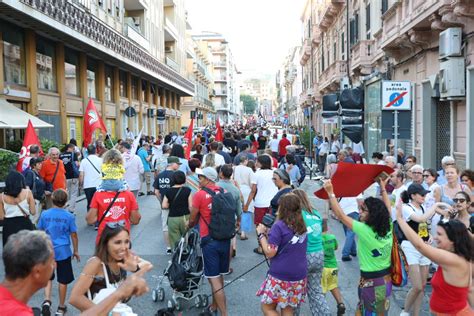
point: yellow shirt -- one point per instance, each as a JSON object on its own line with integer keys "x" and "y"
{"x": 112, "y": 171}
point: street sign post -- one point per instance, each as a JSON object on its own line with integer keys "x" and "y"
{"x": 396, "y": 96}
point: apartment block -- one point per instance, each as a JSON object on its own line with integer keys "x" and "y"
{"x": 127, "y": 55}
{"x": 200, "y": 71}
{"x": 361, "y": 43}
{"x": 226, "y": 88}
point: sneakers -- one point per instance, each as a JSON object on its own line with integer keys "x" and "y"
{"x": 46, "y": 308}
{"x": 168, "y": 251}
{"x": 346, "y": 258}
{"x": 403, "y": 313}
{"x": 141, "y": 194}
{"x": 341, "y": 309}
{"x": 62, "y": 310}
{"x": 150, "y": 193}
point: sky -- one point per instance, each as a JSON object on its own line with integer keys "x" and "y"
{"x": 260, "y": 32}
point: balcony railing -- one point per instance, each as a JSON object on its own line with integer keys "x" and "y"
{"x": 174, "y": 65}
{"x": 331, "y": 77}
{"x": 329, "y": 10}
{"x": 134, "y": 33}
{"x": 220, "y": 64}
{"x": 362, "y": 54}
{"x": 221, "y": 92}
{"x": 171, "y": 29}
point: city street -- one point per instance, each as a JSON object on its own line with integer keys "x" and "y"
{"x": 148, "y": 243}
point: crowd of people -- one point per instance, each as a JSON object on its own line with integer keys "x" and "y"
{"x": 227, "y": 189}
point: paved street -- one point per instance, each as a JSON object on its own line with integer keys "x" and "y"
{"x": 147, "y": 242}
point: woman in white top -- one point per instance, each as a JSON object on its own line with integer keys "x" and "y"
{"x": 16, "y": 206}
{"x": 323, "y": 154}
{"x": 243, "y": 176}
{"x": 263, "y": 190}
{"x": 418, "y": 264}
{"x": 429, "y": 181}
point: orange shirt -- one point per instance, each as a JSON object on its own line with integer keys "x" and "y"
{"x": 47, "y": 173}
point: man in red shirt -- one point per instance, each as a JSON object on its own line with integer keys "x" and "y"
{"x": 124, "y": 208}
{"x": 215, "y": 252}
{"x": 49, "y": 174}
{"x": 282, "y": 146}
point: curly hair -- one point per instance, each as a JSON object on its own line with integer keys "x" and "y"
{"x": 289, "y": 211}
{"x": 113, "y": 156}
{"x": 379, "y": 217}
{"x": 460, "y": 237}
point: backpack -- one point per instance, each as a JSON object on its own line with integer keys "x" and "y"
{"x": 223, "y": 213}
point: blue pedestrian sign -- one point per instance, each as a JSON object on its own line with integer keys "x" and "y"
{"x": 396, "y": 95}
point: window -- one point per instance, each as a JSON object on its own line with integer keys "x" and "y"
{"x": 384, "y": 6}
{"x": 91, "y": 78}
{"x": 334, "y": 50}
{"x": 134, "y": 88}
{"x": 367, "y": 20}
{"x": 13, "y": 54}
{"x": 45, "y": 64}
{"x": 343, "y": 46}
{"x": 354, "y": 29}
{"x": 154, "y": 93}
{"x": 123, "y": 81}
{"x": 71, "y": 71}
{"x": 144, "y": 95}
{"x": 109, "y": 83}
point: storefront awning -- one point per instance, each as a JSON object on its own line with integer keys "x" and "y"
{"x": 14, "y": 118}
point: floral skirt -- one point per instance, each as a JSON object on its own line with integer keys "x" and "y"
{"x": 282, "y": 293}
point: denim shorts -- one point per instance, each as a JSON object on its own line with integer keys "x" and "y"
{"x": 216, "y": 255}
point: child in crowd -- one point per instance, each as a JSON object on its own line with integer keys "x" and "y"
{"x": 329, "y": 281}
{"x": 60, "y": 226}
{"x": 112, "y": 172}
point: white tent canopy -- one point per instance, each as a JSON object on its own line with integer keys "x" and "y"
{"x": 14, "y": 118}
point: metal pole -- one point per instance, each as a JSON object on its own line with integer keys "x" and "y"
{"x": 395, "y": 129}
{"x": 310, "y": 139}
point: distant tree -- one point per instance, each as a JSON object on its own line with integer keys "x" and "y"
{"x": 250, "y": 104}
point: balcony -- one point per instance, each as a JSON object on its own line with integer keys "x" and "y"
{"x": 328, "y": 13}
{"x": 133, "y": 32}
{"x": 362, "y": 57}
{"x": 221, "y": 49}
{"x": 171, "y": 33}
{"x": 330, "y": 78}
{"x": 315, "y": 36}
{"x": 172, "y": 64}
{"x": 402, "y": 22}
{"x": 134, "y": 5}
{"x": 220, "y": 79}
{"x": 221, "y": 93}
{"x": 220, "y": 64}
{"x": 306, "y": 52}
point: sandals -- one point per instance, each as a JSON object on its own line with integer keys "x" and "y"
{"x": 62, "y": 310}
{"x": 243, "y": 238}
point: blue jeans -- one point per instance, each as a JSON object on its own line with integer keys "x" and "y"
{"x": 350, "y": 243}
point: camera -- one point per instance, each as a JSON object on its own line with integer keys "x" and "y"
{"x": 268, "y": 220}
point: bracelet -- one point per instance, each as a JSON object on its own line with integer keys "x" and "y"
{"x": 332, "y": 195}
{"x": 261, "y": 235}
{"x": 138, "y": 269}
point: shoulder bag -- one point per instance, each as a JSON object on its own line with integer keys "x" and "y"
{"x": 108, "y": 208}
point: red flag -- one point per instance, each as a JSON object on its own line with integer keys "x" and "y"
{"x": 92, "y": 121}
{"x": 30, "y": 139}
{"x": 188, "y": 137}
{"x": 219, "y": 135}
{"x": 352, "y": 179}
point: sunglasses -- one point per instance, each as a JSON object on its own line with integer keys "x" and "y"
{"x": 459, "y": 200}
{"x": 426, "y": 175}
{"x": 114, "y": 225}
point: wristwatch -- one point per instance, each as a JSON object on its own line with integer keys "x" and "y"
{"x": 138, "y": 268}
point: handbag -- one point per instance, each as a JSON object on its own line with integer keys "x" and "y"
{"x": 120, "y": 308}
{"x": 399, "y": 266}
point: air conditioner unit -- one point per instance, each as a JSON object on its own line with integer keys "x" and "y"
{"x": 452, "y": 82}
{"x": 168, "y": 49}
{"x": 450, "y": 42}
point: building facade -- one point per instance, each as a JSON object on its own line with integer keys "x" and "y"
{"x": 368, "y": 42}
{"x": 226, "y": 88}
{"x": 127, "y": 55}
{"x": 199, "y": 68}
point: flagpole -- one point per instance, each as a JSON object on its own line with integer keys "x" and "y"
{"x": 110, "y": 139}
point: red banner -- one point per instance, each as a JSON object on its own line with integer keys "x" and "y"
{"x": 30, "y": 139}
{"x": 351, "y": 179}
{"x": 219, "y": 134}
{"x": 188, "y": 137}
{"x": 92, "y": 121}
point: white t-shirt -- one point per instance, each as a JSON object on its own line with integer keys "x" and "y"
{"x": 243, "y": 175}
{"x": 218, "y": 158}
{"x": 394, "y": 197}
{"x": 273, "y": 144}
{"x": 349, "y": 204}
{"x": 266, "y": 189}
{"x": 92, "y": 178}
{"x": 335, "y": 146}
{"x": 408, "y": 211}
{"x": 323, "y": 148}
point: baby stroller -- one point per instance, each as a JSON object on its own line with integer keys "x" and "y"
{"x": 185, "y": 273}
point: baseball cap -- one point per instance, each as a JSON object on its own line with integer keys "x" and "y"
{"x": 417, "y": 189}
{"x": 207, "y": 172}
{"x": 173, "y": 159}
